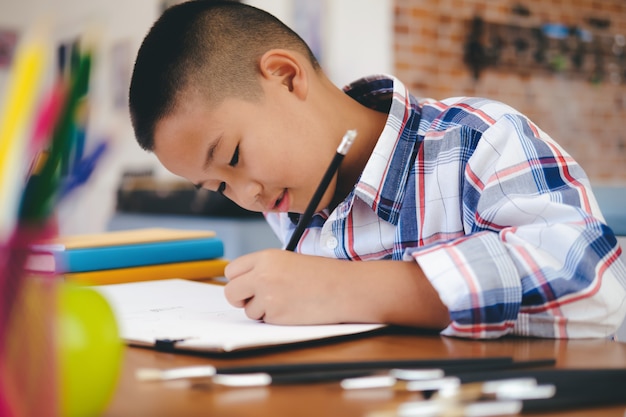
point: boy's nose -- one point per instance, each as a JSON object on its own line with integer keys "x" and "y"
{"x": 248, "y": 192}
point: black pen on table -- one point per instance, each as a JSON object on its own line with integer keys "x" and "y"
{"x": 305, "y": 218}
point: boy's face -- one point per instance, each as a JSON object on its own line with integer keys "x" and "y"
{"x": 266, "y": 156}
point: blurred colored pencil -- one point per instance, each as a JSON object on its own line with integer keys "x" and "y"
{"x": 17, "y": 113}
{"x": 42, "y": 188}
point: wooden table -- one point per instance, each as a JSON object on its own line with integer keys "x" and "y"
{"x": 154, "y": 399}
{"x": 135, "y": 398}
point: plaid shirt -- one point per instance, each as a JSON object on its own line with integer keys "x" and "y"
{"x": 501, "y": 220}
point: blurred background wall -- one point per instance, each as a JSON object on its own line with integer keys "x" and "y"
{"x": 561, "y": 62}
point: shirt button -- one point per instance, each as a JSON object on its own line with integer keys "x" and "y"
{"x": 332, "y": 242}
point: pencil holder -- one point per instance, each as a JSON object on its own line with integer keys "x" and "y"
{"x": 29, "y": 355}
{"x": 61, "y": 351}
{"x": 27, "y": 349}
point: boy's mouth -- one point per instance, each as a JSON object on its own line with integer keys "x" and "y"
{"x": 282, "y": 202}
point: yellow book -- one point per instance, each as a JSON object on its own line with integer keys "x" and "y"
{"x": 195, "y": 270}
{"x": 121, "y": 238}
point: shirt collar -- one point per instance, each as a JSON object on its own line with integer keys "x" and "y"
{"x": 382, "y": 183}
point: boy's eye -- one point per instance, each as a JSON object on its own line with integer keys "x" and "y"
{"x": 233, "y": 162}
{"x": 235, "y": 159}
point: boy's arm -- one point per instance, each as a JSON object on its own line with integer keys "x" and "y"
{"x": 283, "y": 287}
{"x": 536, "y": 258}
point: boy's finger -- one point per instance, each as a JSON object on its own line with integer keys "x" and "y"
{"x": 254, "y": 309}
{"x": 238, "y": 292}
{"x": 238, "y": 267}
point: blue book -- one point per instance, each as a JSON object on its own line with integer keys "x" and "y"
{"x": 123, "y": 249}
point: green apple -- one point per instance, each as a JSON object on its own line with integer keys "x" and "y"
{"x": 89, "y": 351}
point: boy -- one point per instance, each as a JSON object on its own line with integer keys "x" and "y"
{"x": 471, "y": 220}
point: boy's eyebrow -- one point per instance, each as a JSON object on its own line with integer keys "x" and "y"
{"x": 210, "y": 155}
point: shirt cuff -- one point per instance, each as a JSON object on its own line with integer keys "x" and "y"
{"x": 477, "y": 280}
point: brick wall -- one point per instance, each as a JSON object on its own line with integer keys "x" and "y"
{"x": 587, "y": 118}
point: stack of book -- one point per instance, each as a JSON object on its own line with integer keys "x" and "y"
{"x": 130, "y": 255}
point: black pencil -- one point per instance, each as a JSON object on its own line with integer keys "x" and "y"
{"x": 284, "y": 374}
{"x": 300, "y": 367}
{"x": 305, "y": 218}
{"x": 312, "y": 372}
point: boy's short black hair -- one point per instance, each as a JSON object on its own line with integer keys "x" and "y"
{"x": 206, "y": 47}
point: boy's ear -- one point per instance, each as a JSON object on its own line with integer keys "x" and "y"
{"x": 285, "y": 69}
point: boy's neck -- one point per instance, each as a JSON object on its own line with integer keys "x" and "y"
{"x": 369, "y": 124}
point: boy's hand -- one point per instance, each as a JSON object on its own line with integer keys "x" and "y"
{"x": 283, "y": 287}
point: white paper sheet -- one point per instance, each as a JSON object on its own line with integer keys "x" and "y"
{"x": 199, "y": 313}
